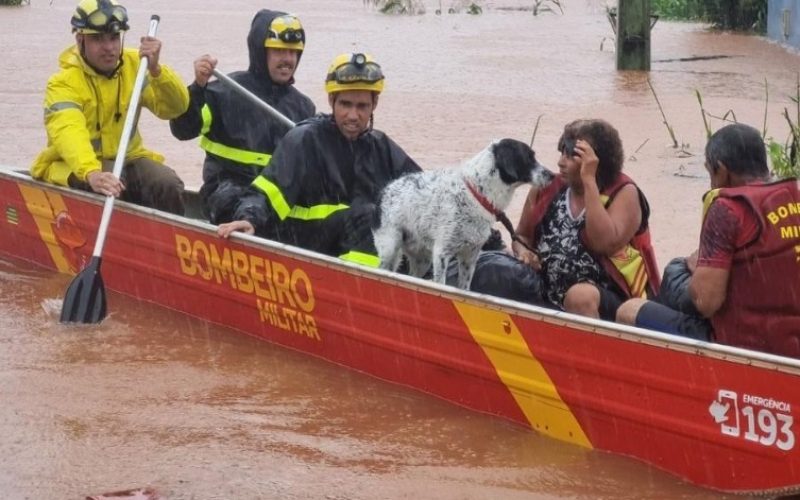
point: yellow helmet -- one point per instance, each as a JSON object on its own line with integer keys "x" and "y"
{"x": 99, "y": 16}
{"x": 285, "y": 32}
{"x": 354, "y": 72}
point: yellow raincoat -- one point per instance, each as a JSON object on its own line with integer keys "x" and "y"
{"x": 84, "y": 114}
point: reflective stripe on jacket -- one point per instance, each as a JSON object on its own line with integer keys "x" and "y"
{"x": 316, "y": 183}
{"x": 284, "y": 210}
{"x": 238, "y": 136}
{"x": 85, "y": 114}
{"x": 229, "y": 153}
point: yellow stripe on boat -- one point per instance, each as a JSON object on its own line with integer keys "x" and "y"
{"x": 44, "y": 207}
{"x": 522, "y": 373}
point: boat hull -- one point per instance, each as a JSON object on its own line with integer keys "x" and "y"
{"x": 718, "y": 417}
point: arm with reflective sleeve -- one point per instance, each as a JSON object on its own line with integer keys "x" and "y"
{"x": 298, "y": 184}
{"x": 68, "y": 129}
{"x": 190, "y": 124}
{"x": 266, "y": 203}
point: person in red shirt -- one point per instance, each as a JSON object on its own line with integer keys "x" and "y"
{"x": 740, "y": 288}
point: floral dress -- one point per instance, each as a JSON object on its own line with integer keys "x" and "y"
{"x": 564, "y": 258}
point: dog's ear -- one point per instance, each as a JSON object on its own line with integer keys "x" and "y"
{"x": 514, "y": 160}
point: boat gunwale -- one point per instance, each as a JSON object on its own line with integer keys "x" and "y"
{"x": 527, "y": 311}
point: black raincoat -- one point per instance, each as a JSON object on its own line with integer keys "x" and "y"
{"x": 321, "y": 189}
{"x": 242, "y": 136}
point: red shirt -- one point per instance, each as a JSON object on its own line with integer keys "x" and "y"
{"x": 728, "y": 226}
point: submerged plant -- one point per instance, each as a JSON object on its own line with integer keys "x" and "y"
{"x": 664, "y": 116}
{"x": 474, "y": 9}
{"x": 704, "y": 114}
{"x": 467, "y": 6}
{"x": 411, "y": 7}
{"x": 546, "y": 6}
{"x": 783, "y": 156}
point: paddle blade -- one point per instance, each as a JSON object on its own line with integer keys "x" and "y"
{"x": 85, "y": 301}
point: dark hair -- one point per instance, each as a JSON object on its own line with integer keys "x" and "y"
{"x": 740, "y": 148}
{"x": 606, "y": 143}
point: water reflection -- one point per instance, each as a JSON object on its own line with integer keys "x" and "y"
{"x": 151, "y": 397}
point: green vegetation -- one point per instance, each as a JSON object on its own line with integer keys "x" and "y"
{"x": 457, "y": 6}
{"x": 10, "y": 2}
{"x": 411, "y": 7}
{"x": 415, "y": 7}
{"x": 742, "y": 15}
{"x": 474, "y": 9}
{"x": 784, "y": 156}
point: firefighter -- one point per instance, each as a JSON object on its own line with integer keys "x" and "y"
{"x": 85, "y": 107}
{"x": 239, "y": 138}
{"x": 324, "y": 180}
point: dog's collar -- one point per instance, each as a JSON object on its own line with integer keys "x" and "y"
{"x": 498, "y": 214}
{"x": 484, "y": 201}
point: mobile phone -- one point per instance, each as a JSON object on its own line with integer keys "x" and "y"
{"x": 731, "y": 425}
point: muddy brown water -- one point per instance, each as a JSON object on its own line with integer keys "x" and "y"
{"x": 152, "y": 397}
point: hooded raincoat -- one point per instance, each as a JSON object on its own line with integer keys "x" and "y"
{"x": 321, "y": 189}
{"x": 84, "y": 114}
{"x": 239, "y": 138}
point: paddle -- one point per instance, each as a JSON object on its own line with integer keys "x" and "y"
{"x": 85, "y": 300}
{"x": 254, "y": 98}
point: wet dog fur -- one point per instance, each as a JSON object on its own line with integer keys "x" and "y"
{"x": 432, "y": 217}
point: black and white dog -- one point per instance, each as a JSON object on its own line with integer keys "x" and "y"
{"x": 437, "y": 215}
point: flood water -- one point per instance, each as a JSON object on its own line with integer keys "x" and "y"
{"x": 152, "y": 397}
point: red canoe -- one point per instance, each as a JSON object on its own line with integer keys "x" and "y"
{"x": 717, "y": 416}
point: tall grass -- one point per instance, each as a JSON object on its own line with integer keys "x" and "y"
{"x": 784, "y": 156}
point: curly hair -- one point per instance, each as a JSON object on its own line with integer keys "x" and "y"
{"x": 606, "y": 143}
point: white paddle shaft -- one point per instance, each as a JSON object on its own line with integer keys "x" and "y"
{"x": 130, "y": 122}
